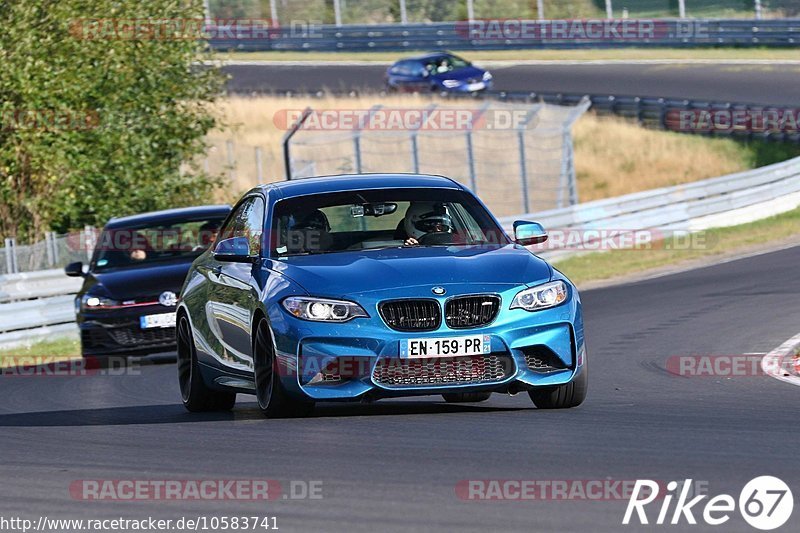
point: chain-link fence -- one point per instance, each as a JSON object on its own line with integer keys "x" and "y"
{"x": 55, "y": 251}
{"x": 517, "y": 157}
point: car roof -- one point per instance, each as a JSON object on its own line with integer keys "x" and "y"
{"x": 155, "y": 217}
{"x": 356, "y": 182}
{"x": 429, "y": 55}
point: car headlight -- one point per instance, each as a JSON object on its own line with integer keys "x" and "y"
{"x": 323, "y": 310}
{"x": 541, "y": 297}
{"x": 89, "y": 302}
{"x": 451, "y": 84}
{"x": 487, "y": 76}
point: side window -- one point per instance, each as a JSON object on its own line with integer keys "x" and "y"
{"x": 254, "y": 224}
{"x": 247, "y": 221}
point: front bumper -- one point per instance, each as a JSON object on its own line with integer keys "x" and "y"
{"x": 118, "y": 332}
{"x": 361, "y": 359}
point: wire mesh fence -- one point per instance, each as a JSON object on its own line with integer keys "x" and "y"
{"x": 517, "y": 157}
{"x": 54, "y": 251}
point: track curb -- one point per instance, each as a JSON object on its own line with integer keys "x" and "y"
{"x": 774, "y": 364}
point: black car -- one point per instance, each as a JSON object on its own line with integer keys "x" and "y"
{"x": 127, "y": 303}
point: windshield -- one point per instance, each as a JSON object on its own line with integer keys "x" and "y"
{"x": 374, "y": 219}
{"x": 445, "y": 64}
{"x": 129, "y": 247}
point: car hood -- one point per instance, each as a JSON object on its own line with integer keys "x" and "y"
{"x": 133, "y": 283}
{"x": 349, "y": 273}
{"x": 462, "y": 74}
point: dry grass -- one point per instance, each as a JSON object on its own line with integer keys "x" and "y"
{"x": 613, "y": 156}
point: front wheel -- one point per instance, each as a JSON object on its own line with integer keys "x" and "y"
{"x": 273, "y": 401}
{"x": 564, "y": 396}
{"x": 196, "y": 395}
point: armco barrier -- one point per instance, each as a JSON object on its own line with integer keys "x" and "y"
{"x": 40, "y": 304}
{"x": 36, "y": 305}
{"x": 717, "y": 202}
{"x": 462, "y": 36}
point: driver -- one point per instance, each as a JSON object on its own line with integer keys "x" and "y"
{"x": 424, "y": 218}
{"x": 309, "y": 232}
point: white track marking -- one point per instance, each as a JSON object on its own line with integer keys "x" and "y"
{"x": 773, "y": 364}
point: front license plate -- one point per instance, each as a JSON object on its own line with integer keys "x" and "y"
{"x": 476, "y": 86}
{"x": 161, "y": 320}
{"x": 445, "y": 347}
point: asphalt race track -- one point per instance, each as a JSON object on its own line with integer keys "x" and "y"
{"x": 394, "y": 465}
{"x": 761, "y": 84}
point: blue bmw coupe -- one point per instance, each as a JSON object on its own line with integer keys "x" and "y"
{"x": 439, "y": 71}
{"x": 357, "y": 288}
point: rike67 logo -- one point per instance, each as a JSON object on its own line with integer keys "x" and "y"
{"x": 765, "y": 503}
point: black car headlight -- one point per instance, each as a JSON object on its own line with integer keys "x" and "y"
{"x": 541, "y": 297}
{"x": 89, "y": 302}
{"x": 323, "y": 309}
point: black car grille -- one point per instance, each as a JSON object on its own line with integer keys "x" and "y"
{"x": 133, "y": 336}
{"x": 411, "y": 315}
{"x": 442, "y": 371}
{"x": 540, "y": 359}
{"x": 471, "y": 311}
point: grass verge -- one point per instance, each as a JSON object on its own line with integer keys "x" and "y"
{"x": 620, "y": 54}
{"x": 49, "y": 351}
{"x": 708, "y": 244}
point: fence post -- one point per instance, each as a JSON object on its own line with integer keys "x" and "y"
{"x": 287, "y": 139}
{"x": 523, "y": 166}
{"x": 231, "y": 160}
{"x": 357, "y": 137}
{"x": 48, "y": 248}
{"x": 88, "y": 239}
{"x": 413, "y": 137}
{"x": 259, "y": 167}
{"x": 473, "y": 177}
{"x": 11, "y": 255}
{"x": 54, "y": 240}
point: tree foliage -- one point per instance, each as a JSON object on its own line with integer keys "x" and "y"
{"x": 98, "y": 122}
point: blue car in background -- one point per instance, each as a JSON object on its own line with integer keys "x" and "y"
{"x": 362, "y": 287}
{"x": 439, "y": 72}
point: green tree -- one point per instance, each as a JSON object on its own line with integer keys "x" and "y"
{"x": 97, "y": 120}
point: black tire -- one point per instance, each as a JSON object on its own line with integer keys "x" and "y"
{"x": 564, "y": 396}
{"x": 466, "y": 397}
{"x": 273, "y": 401}
{"x": 196, "y": 395}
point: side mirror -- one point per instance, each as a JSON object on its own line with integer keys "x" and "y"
{"x": 527, "y": 233}
{"x": 74, "y": 270}
{"x": 234, "y": 250}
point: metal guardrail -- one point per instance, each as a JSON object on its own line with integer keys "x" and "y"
{"x": 36, "y": 305}
{"x": 717, "y": 202}
{"x": 39, "y": 304}
{"x": 462, "y": 36}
